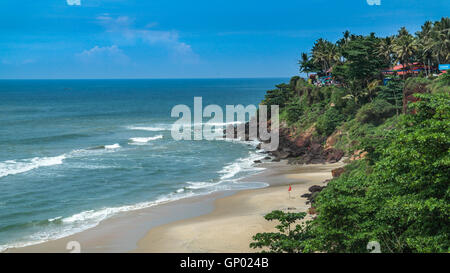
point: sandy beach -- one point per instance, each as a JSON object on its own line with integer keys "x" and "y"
{"x": 236, "y": 218}
{"x": 218, "y": 222}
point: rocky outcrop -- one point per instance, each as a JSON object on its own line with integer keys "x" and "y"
{"x": 337, "y": 172}
{"x": 299, "y": 148}
{"x": 316, "y": 188}
{"x": 333, "y": 139}
{"x": 305, "y": 148}
{"x": 333, "y": 155}
{"x": 314, "y": 192}
{"x": 358, "y": 154}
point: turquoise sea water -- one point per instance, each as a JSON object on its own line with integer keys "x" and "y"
{"x": 75, "y": 152}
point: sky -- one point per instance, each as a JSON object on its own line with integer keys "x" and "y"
{"x": 99, "y": 39}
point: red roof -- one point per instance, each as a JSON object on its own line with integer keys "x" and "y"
{"x": 400, "y": 66}
{"x": 411, "y": 68}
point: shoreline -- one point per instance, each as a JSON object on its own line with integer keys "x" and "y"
{"x": 238, "y": 217}
{"x": 189, "y": 224}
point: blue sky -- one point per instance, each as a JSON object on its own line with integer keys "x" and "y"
{"x": 185, "y": 39}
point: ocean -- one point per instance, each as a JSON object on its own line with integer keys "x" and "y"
{"x": 76, "y": 152}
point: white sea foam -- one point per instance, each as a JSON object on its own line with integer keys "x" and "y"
{"x": 65, "y": 226}
{"x": 201, "y": 185}
{"x": 144, "y": 139}
{"x": 151, "y": 129}
{"x": 219, "y": 126}
{"x": 90, "y": 218}
{"x": 55, "y": 219}
{"x": 113, "y": 146}
{"x": 209, "y": 187}
{"x": 11, "y": 167}
{"x": 240, "y": 165}
{"x": 87, "y": 219}
{"x": 229, "y": 172}
{"x": 220, "y": 123}
{"x": 253, "y": 143}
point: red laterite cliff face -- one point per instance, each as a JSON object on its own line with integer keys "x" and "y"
{"x": 305, "y": 147}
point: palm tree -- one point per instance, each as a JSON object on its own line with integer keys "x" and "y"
{"x": 342, "y": 43}
{"x": 385, "y": 50}
{"x": 403, "y": 32}
{"x": 333, "y": 55}
{"x": 325, "y": 54}
{"x": 305, "y": 65}
{"x": 346, "y": 36}
{"x": 440, "y": 41}
{"x": 372, "y": 89}
{"x": 319, "y": 53}
{"x": 405, "y": 47}
{"x": 424, "y": 37}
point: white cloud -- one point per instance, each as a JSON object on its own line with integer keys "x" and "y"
{"x": 108, "y": 53}
{"x": 122, "y": 27}
{"x": 74, "y": 2}
{"x": 101, "y": 50}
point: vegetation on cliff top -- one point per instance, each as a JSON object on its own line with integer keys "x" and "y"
{"x": 399, "y": 194}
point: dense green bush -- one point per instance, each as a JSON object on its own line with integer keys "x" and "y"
{"x": 290, "y": 237}
{"x": 327, "y": 123}
{"x": 392, "y": 92}
{"x": 337, "y": 97}
{"x": 441, "y": 84}
{"x": 375, "y": 112}
{"x": 403, "y": 200}
{"x": 400, "y": 198}
{"x": 293, "y": 111}
{"x": 279, "y": 96}
{"x": 413, "y": 82}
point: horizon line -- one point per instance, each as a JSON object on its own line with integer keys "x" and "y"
{"x": 194, "y": 78}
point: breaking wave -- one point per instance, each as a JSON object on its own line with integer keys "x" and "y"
{"x": 11, "y": 167}
{"x": 137, "y": 140}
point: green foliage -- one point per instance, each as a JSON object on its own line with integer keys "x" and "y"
{"x": 279, "y": 96}
{"x": 374, "y": 140}
{"x": 363, "y": 63}
{"x": 293, "y": 111}
{"x": 293, "y": 82}
{"x": 324, "y": 54}
{"x": 405, "y": 47}
{"x": 417, "y": 82}
{"x": 337, "y": 96}
{"x": 392, "y": 92}
{"x": 375, "y": 112}
{"x": 327, "y": 123}
{"x": 399, "y": 194}
{"x": 341, "y": 225}
{"x": 290, "y": 236}
{"x": 306, "y": 64}
{"x": 403, "y": 200}
{"x": 441, "y": 84}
